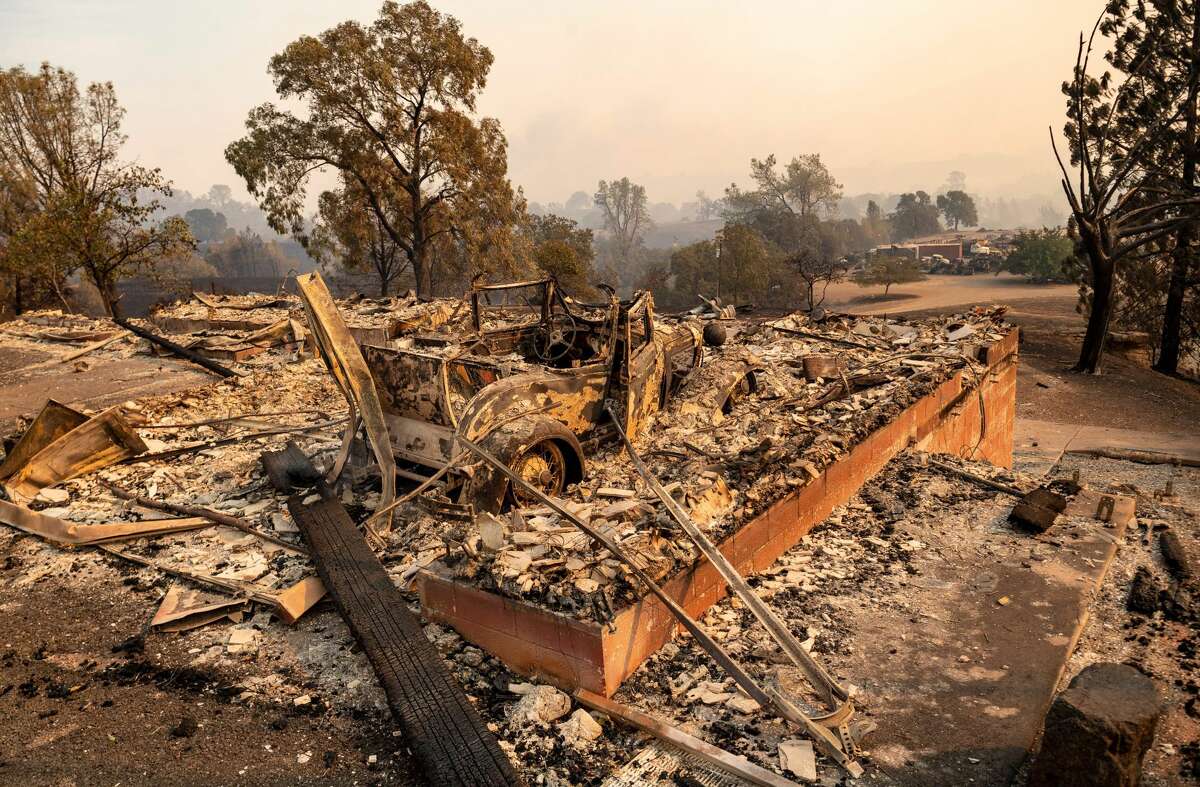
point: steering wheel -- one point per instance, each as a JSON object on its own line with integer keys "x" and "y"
{"x": 558, "y": 331}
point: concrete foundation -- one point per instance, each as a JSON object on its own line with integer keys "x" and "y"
{"x": 571, "y": 653}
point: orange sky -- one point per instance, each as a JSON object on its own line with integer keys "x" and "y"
{"x": 676, "y": 95}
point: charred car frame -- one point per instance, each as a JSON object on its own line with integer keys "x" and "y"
{"x": 529, "y": 380}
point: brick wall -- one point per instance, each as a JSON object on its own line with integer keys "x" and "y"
{"x": 571, "y": 653}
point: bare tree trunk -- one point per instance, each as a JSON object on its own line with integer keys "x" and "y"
{"x": 1090, "y": 353}
{"x": 385, "y": 280}
{"x": 107, "y": 287}
{"x": 1168, "y": 356}
{"x": 422, "y": 273}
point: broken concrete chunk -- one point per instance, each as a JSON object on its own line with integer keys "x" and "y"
{"x": 52, "y": 495}
{"x": 517, "y": 562}
{"x": 1038, "y": 510}
{"x": 540, "y": 705}
{"x": 1098, "y": 731}
{"x": 958, "y": 332}
{"x": 580, "y": 728}
{"x": 491, "y": 532}
{"x": 242, "y": 640}
{"x": 606, "y": 491}
{"x": 797, "y": 757}
{"x": 742, "y": 704}
{"x": 283, "y": 525}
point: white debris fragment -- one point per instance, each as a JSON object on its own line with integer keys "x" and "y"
{"x": 542, "y": 704}
{"x": 580, "y": 728}
{"x": 52, "y": 494}
{"x": 797, "y": 756}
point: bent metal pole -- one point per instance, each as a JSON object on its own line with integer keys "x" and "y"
{"x": 826, "y": 741}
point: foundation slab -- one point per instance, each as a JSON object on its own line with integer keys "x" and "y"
{"x": 958, "y": 681}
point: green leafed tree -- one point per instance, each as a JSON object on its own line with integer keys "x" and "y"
{"x": 246, "y": 254}
{"x": 744, "y": 264}
{"x": 915, "y": 215}
{"x": 958, "y": 208}
{"x": 1042, "y": 255}
{"x": 390, "y": 106}
{"x": 885, "y": 270}
{"x": 694, "y": 269}
{"x": 90, "y": 212}
{"x": 875, "y": 226}
{"x": 804, "y": 187}
{"x": 206, "y": 224}
{"x": 562, "y": 249}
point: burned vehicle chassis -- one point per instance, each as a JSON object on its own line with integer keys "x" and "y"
{"x": 533, "y": 389}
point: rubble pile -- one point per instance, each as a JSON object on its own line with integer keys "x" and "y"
{"x": 390, "y": 315}
{"x": 726, "y": 468}
{"x": 818, "y": 388}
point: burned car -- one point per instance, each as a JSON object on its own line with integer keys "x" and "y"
{"x": 529, "y": 379}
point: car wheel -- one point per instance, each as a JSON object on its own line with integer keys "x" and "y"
{"x": 543, "y": 467}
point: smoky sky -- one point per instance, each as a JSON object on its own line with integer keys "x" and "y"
{"x": 676, "y": 95}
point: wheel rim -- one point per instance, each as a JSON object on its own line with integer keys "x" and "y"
{"x": 543, "y": 467}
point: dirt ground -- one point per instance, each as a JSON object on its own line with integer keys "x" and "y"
{"x": 89, "y": 697}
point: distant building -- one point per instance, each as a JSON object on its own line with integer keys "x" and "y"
{"x": 896, "y": 251}
{"x": 951, "y": 250}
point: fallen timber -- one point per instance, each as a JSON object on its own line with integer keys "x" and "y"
{"x": 176, "y": 349}
{"x": 443, "y": 729}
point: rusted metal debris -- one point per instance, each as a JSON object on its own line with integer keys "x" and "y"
{"x": 736, "y": 765}
{"x": 830, "y": 745}
{"x": 62, "y": 447}
{"x": 345, "y": 362}
{"x": 836, "y": 697}
{"x": 205, "y": 513}
{"x": 72, "y": 534}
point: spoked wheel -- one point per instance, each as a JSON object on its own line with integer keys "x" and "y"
{"x": 543, "y": 467}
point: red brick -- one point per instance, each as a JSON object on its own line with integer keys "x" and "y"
{"x": 544, "y": 628}
{"x": 487, "y": 609}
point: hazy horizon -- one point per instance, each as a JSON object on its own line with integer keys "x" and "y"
{"x": 677, "y": 96}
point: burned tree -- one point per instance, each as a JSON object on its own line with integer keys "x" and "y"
{"x": 1124, "y": 200}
